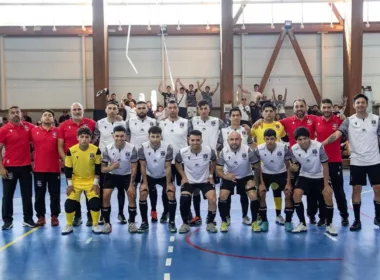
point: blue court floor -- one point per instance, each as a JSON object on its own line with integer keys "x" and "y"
{"x": 42, "y": 253}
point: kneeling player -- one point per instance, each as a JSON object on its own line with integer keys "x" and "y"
{"x": 275, "y": 161}
{"x": 199, "y": 167}
{"x": 155, "y": 164}
{"x": 314, "y": 176}
{"x": 120, "y": 164}
{"x": 82, "y": 169}
{"x": 238, "y": 160}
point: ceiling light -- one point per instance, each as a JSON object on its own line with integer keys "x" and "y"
{"x": 54, "y": 28}
{"x": 243, "y": 27}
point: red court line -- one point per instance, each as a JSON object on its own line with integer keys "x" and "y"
{"x": 188, "y": 241}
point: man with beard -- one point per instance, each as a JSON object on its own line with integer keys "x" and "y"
{"x": 16, "y": 166}
{"x": 326, "y": 125}
{"x": 67, "y": 137}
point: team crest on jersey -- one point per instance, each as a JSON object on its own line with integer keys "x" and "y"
{"x": 244, "y": 132}
{"x": 54, "y": 134}
{"x": 335, "y": 126}
{"x": 196, "y": 165}
{"x": 373, "y": 122}
{"x": 182, "y": 124}
{"x": 244, "y": 155}
{"x": 188, "y": 157}
{"x": 271, "y": 161}
{"x": 155, "y": 161}
{"x": 315, "y": 152}
{"x": 277, "y": 126}
{"x": 172, "y": 130}
{"x": 84, "y": 125}
{"x": 279, "y": 154}
{"x": 162, "y": 153}
{"x": 205, "y": 156}
{"x": 309, "y": 121}
{"x": 92, "y": 156}
{"x": 203, "y": 128}
{"x": 151, "y": 124}
{"x": 213, "y": 123}
{"x": 128, "y": 154}
{"x": 26, "y": 127}
{"x": 141, "y": 130}
{"x": 149, "y": 153}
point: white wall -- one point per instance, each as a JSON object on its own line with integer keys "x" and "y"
{"x": 48, "y": 72}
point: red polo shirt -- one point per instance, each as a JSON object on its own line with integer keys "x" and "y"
{"x": 68, "y": 131}
{"x": 324, "y": 129}
{"x": 46, "y": 156}
{"x": 292, "y": 123}
{"x": 16, "y": 139}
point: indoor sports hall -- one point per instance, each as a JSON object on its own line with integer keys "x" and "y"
{"x": 311, "y": 58}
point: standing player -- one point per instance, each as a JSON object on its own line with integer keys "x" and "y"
{"x": 326, "y": 125}
{"x": 155, "y": 163}
{"x": 103, "y": 132}
{"x": 313, "y": 176}
{"x": 174, "y": 132}
{"x": 47, "y": 170}
{"x": 363, "y": 131}
{"x": 82, "y": 169}
{"x": 197, "y": 173}
{"x": 16, "y": 166}
{"x": 234, "y": 166}
{"x": 120, "y": 163}
{"x": 67, "y": 137}
{"x": 210, "y": 128}
{"x": 274, "y": 171}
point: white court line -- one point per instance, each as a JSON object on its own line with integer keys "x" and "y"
{"x": 88, "y": 240}
{"x": 168, "y": 262}
{"x": 172, "y": 238}
{"x": 170, "y": 249}
{"x": 329, "y": 236}
{"x": 166, "y": 276}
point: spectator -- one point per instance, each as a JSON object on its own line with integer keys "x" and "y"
{"x": 65, "y": 116}
{"x": 26, "y": 118}
{"x": 279, "y": 102}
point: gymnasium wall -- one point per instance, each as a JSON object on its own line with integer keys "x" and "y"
{"x": 53, "y": 72}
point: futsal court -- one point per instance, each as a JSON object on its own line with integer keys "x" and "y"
{"x": 43, "y": 253}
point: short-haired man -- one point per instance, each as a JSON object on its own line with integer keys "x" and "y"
{"x": 191, "y": 99}
{"x": 207, "y": 94}
{"x": 168, "y": 95}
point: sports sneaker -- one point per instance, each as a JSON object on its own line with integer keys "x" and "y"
{"x": 312, "y": 220}
{"x": 132, "y": 228}
{"x": 196, "y": 221}
{"x": 300, "y": 228}
{"x": 154, "y": 216}
{"x": 214, "y": 222}
{"x": 107, "y": 229}
{"x": 356, "y": 226}
{"x": 96, "y": 229}
{"x": 41, "y": 221}
{"x": 246, "y": 221}
{"x": 224, "y": 227}
{"x": 54, "y": 221}
{"x": 321, "y": 223}
{"x": 264, "y": 226}
{"x": 256, "y": 227}
{"x": 280, "y": 220}
{"x": 259, "y": 220}
{"x": 184, "y": 228}
{"x": 376, "y": 222}
{"x": 29, "y": 223}
{"x": 7, "y": 225}
{"x": 330, "y": 229}
{"x": 101, "y": 220}
{"x": 77, "y": 221}
{"x": 172, "y": 227}
{"x": 122, "y": 218}
{"x": 164, "y": 218}
{"x": 89, "y": 221}
{"x": 288, "y": 226}
{"x": 67, "y": 230}
{"x": 345, "y": 222}
{"x": 211, "y": 228}
{"x": 144, "y": 227}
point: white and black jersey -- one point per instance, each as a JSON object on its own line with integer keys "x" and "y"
{"x": 196, "y": 166}
{"x": 104, "y": 130}
{"x": 363, "y": 137}
{"x": 223, "y": 136}
{"x": 137, "y": 129}
{"x": 155, "y": 158}
{"x": 237, "y": 162}
{"x": 210, "y": 129}
{"x": 273, "y": 162}
{"x": 310, "y": 160}
{"x": 175, "y": 133}
{"x": 125, "y": 157}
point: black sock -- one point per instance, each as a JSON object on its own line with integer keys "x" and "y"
{"x": 144, "y": 211}
{"x": 329, "y": 214}
{"x": 300, "y": 212}
{"x": 263, "y": 213}
{"x": 229, "y": 205}
{"x": 289, "y": 214}
{"x": 172, "y": 205}
{"x": 153, "y": 198}
{"x": 106, "y": 212}
{"x": 211, "y": 216}
{"x": 223, "y": 207}
{"x": 165, "y": 201}
{"x": 377, "y": 209}
{"x": 121, "y": 200}
{"x": 184, "y": 206}
{"x": 254, "y": 209}
{"x": 132, "y": 214}
{"x": 357, "y": 206}
{"x": 244, "y": 204}
{"x": 278, "y": 213}
{"x": 197, "y": 205}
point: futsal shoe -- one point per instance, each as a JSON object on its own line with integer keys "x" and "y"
{"x": 122, "y": 218}
{"x": 7, "y": 225}
{"x": 144, "y": 227}
{"x": 356, "y": 226}
{"x": 54, "y": 221}
{"x": 264, "y": 226}
{"x": 132, "y": 228}
{"x": 208, "y": 222}
{"x": 196, "y": 221}
{"x": 184, "y": 229}
{"x": 300, "y": 228}
{"x": 312, "y": 220}
{"x": 96, "y": 229}
{"x": 224, "y": 227}
{"x": 89, "y": 221}
{"x": 154, "y": 216}
{"x": 107, "y": 229}
{"x": 41, "y": 221}
{"x": 288, "y": 227}
{"x": 246, "y": 221}
{"x": 77, "y": 221}
{"x": 164, "y": 218}
{"x": 67, "y": 230}
{"x": 172, "y": 227}
{"x": 29, "y": 223}
{"x": 228, "y": 220}
{"x": 321, "y": 223}
{"x": 330, "y": 229}
{"x": 345, "y": 222}
{"x": 280, "y": 220}
{"x": 376, "y": 222}
{"x": 211, "y": 228}
{"x": 256, "y": 227}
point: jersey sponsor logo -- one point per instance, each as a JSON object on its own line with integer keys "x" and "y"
{"x": 92, "y": 155}
{"x": 315, "y": 152}
{"x": 279, "y": 154}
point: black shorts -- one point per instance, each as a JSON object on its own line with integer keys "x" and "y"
{"x": 358, "y": 175}
{"x": 306, "y": 184}
{"x": 204, "y": 187}
{"x": 153, "y": 182}
{"x": 176, "y": 177}
{"x": 240, "y": 185}
{"x": 119, "y": 181}
{"x": 279, "y": 179}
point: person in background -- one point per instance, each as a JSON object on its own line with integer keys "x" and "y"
{"x": 337, "y": 110}
{"x": 245, "y": 112}
{"x": 112, "y": 97}
{"x": 168, "y": 95}
{"x": 314, "y": 110}
{"x": 254, "y": 95}
{"x": 255, "y": 111}
{"x": 207, "y": 94}
{"x": 129, "y": 99}
{"x": 65, "y": 116}
{"x": 26, "y": 118}
{"x": 4, "y": 121}
{"x": 150, "y": 113}
{"x": 279, "y": 102}
{"x": 191, "y": 99}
